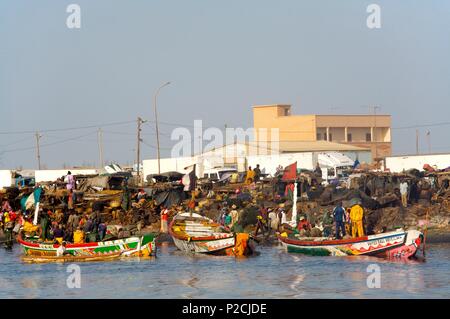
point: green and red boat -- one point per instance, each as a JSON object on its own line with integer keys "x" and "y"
{"x": 395, "y": 244}
{"x": 136, "y": 246}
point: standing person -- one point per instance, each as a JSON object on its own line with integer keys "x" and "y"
{"x": 257, "y": 171}
{"x": 250, "y": 177}
{"x": 223, "y": 213}
{"x": 125, "y": 196}
{"x": 281, "y": 215}
{"x": 8, "y": 229}
{"x": 227, "y": 220}
{"x": 318, "y": 170}
{"x": 70, "y": 180}
{"x": 273, "y": 220}
{"x": 339, "y": 217}
{"x": 58, "y": 234}
{"x": 164, "y": 220}
{"x": 44, "y": 224}
{"x": 356, "y": 217}
{"x": 327, "y": 223}
{"x": 347, "y": 221}
{"x": 262, "y": 221}
{"x": 78, "y": 236}
{"x": 234, "y": 215}
{"x": 404, "y": 193}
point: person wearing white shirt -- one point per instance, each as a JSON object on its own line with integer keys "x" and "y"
{"x": 404, "y": 193}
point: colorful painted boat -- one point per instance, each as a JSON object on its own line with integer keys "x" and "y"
{"x": 71, "y": 258}
{"x": 140, "y": 246}
{"x": 193, "y": 233}
{"x": 396, "y": 244}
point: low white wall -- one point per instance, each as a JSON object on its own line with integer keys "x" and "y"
{"x": 6, "y": 179}
{"x": 52, "y": 175}
{"x": 397, "y": 164}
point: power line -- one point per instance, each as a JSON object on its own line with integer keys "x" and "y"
{"x": 67, "y": 128}
{"x": 48, "y": 144}
{"x": 421, "y": 125}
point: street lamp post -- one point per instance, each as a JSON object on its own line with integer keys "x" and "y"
{"x": 156, "y": 123}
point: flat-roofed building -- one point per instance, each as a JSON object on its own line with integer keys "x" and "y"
{"x": 366, "y": 131}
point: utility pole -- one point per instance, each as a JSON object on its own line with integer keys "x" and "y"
{"x": 100, "y": 147}
{"x": 417, "y": 142}
{"x": 156, "y": 123}
{"x": 38, "y": 151}
{"x": 429, "y": 142}
{"x": 138, "y": 148}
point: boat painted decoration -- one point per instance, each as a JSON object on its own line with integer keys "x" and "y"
{"x": 71, "y": 258}
{"x": 138, "y": 246}
{"x": 194, "y": 233}
{"x": 396, "y": 244}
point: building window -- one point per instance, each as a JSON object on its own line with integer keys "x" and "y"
{"x": 325, "y": 136}
{"x": 368, "y": 137}
{"x": 331, "y": 137}
{"x": 319, "y": 136}
{"x": 349, "y": 137}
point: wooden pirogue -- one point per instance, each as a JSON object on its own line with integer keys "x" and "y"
{"x": 194, "y": 233}
{"x": 140, "y": 246}
{"x": 396, "y": 244}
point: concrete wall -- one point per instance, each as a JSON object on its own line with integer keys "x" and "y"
{"x": 6, "y": 179}
{"x": 52, "y": 175}
{"x": 397, "y": 164}
{"x": 291, "y": 128}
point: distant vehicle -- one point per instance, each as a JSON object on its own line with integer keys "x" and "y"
{"x": 335, "y": 166}
{"x": 216, "y": 174}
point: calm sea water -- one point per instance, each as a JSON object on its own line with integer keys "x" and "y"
{"x": 272, "y": 274}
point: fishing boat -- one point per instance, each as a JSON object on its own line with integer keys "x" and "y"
{"x": 193, "y": 233}
{"x": 71, "y": 258}
{"x": 138, "y": 246}
{"x": 395, "y": 244}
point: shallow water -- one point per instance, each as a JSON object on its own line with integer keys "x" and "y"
{"x": 272, "y": 274}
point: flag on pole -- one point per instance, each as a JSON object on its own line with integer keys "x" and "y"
{"x": 189, "y": 179}
{"x": 290, "y": 172}
{"x": 33, "y": 200}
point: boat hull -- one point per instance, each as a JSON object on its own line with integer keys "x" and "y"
{"x": 193, "y": 233}
{"x": 399, "y": 244}
{"x": 132, "y": 246}
{"x": 70, "y": 258}
{"x": 216, "y": 246}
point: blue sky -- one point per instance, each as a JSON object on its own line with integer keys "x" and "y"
{"x": 221, "y": 57}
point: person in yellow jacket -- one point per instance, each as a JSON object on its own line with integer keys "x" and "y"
{"x": 356, "y": 217}
{"x": 78, "y": 236}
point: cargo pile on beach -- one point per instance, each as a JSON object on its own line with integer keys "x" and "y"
{"x": 132, "y": 208}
